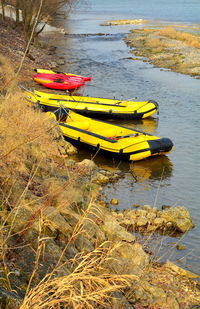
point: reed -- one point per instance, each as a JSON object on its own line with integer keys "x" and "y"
{"x": 187, "y": 38}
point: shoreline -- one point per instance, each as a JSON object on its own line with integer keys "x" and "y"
{"x": 167, "y": 48}
{"x": 164, "y": 45}
{"x": 111, "y": 226}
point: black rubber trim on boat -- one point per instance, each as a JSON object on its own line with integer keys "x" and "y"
{"x": 160, "y": 145}
{"x": 88, "y": 133}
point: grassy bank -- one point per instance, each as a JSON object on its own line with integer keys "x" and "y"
{"x": 167, "y": 48}
{"x": 60, "y": 247}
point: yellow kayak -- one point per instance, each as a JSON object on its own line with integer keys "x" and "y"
{"x": 94, "y": 107}
{"x": 115, "y": 140}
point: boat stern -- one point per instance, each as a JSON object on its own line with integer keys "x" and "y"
{"x": 160, "y": 146}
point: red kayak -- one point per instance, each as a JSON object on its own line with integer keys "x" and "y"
{"x": 56, "y": 82}
{"x": 49, "y": 73}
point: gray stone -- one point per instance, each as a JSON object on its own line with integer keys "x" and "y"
{"x": 146, "y": 207}
{"x": 179, "y": 217}
{"x": 100, "y": 178}
{"x": 114, "y": 231}
{"x": 87, "y": 165}
{"x": 141, "y": 221}
{"x": 55, "y": 221}
{"x": 82, "y": 244}
{"x": 180, "y": 271}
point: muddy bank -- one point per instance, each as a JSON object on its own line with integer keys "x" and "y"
{"x": 167, "y": 48}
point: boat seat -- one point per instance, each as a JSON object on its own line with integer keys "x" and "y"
{"x": 110, "y": 132}
{"x": 84, "y": 125}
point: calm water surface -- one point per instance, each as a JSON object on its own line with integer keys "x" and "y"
{"x": 174, "y": 179}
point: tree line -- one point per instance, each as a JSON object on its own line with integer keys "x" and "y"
{"x": 30, "y": 13}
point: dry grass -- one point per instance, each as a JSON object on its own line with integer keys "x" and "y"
{"x": 156, "y": 44}
{"x": 28, "y": 150}
{"x": 187, "y": 38}
{"x": 85, "y": 287}
{"x": 7, "y": 75}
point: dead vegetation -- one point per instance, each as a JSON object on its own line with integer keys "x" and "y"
{"x": 187, "y": 38}
{"x": 36, "y": 188}
{"x": 167, "y": 48}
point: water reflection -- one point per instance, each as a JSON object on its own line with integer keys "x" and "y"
{"x": 148, "y": 125}
{"x": 155, "y": 168}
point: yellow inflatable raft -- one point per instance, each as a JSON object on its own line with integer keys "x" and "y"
{"x": 94, "y": 107}
{"x": 115, "y": 140}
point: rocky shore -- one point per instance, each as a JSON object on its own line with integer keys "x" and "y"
{"x": 58, "y": 240}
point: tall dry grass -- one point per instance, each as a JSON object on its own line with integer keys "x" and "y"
{"x": 87, "y": 286}
{"x": 187, "y": 38}
{"x": 156, "y": 44}
{"x": 29, "y": 180}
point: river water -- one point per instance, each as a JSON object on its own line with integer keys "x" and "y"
{"x": 172, "y": 179}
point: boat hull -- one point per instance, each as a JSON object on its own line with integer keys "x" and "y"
{"x": 113, "y": 140}
{"x": 94, "y": 107}
{"x": 61, "y": 74}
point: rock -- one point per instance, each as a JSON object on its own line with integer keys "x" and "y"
{"x": 9, "y": 299}
{"x": 171, "y": 302}
{"x": 100, "y": 178}
{"x": 66, "y": 148}
{"x": 180, "y": 271}
{"x": 141, "y": 221}
{"x": 127, "y": 222}
{"x": 130, "y": 214}
{"x": 99, "y": 235}
{"x": 180, "y": 247}
{"x": 22, "y": 217}
{"x": 60, "y": 62}
{"x": 70, "y": 162}
{"x": 141, "y": 213}
{"x": 128, "y": 259}
{"x": 146, "y": 207}
{"x": 124, "y": 22}
{"x": 71, "y": 251}
{"x": 87, "y": 165}
{"x": 165, "y": 207}
{"x": 114, "y": 231}
{"x": 155, "y": 210}
{"x": 136, "y": 205}
{"x": 134, "y": 252}
{"x": 151, "y": 228}
{"x": 82, "y": 244}
{"x": 151, "y": 215}
{"x": 158, "y": 221}
{"x": 55, "y": 221}
{"x": 179, "y": 217}
{"x": 114, "y": 201}
{"x": 53, "y": 64}
{"x": 156, "y": 295}
{"x": 184, "y": 225}
{"x": 119, "y": 301}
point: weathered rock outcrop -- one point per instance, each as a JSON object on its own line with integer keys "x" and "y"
{"x": 148, "y": 219}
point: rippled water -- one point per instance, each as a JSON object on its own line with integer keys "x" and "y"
{"x": 173, "y": 179}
